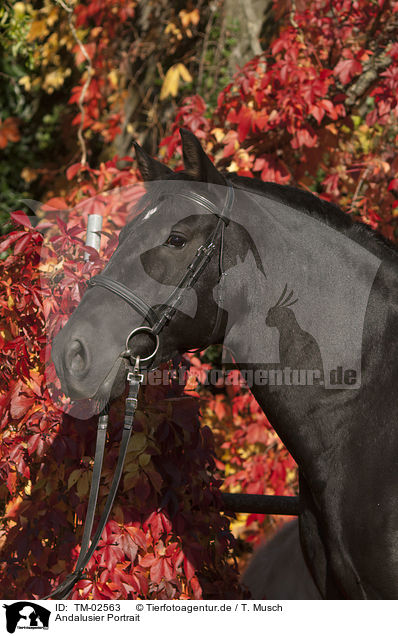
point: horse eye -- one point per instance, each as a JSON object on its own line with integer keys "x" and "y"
{"x": 176, "y": 240}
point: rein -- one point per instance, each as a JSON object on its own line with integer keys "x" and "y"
{"x": 135, "y": 378}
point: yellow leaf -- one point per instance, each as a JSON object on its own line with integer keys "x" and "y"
{"x": 185, "y": 74}
{"x": 37, "y": 30}
{"x": 55, "y": 79}
{"x": 144, "y": 459}
{"x": 218, "y": 133}
{"x": 113, "y": 78}
{"x": 10, "y": 302}
{"x": 82, "y": 485}
{"x": 132, "y": 468}
{"x": 52, "y": 17}
{"x": 29, "y": 175}
{"x": 189, "y": 17}
{"x": 138, "y": 442}
{"x": 53, "y": 41}
{"x": 130, "y": 480}
{"x": 74, "y": 477}
{"x": 233, "y": 167}
{"x": 25, "y": 82}
{"x": 19, "y": 8}
{"x": 172, "y": 80}
{"x": 174, "y": 30}
{"x": 51, "y": 266}
{"x": 386, "y": 166}
{"x": 332, "y": 129}
{"x": 170, "y": 83}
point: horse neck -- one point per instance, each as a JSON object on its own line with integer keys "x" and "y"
{"x": 290, "y": 410}
{"x": 295, "y": 412}
{"x": 332, "y": 275}
{"x": 312, "y": 421}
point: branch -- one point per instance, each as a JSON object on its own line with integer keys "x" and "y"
{"x": 213, "y": 8}
{"x": 359, "y": 188}
{"x": 90, "y": 73}
{"x": 372, "y": 70}
{"x": 218, "y": 51}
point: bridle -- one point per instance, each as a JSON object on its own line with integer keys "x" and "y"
{"x": 156, "y": 322}
{"x": 195, "y": 268}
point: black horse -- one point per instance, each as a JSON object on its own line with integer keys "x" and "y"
{"x": 345, "y": 442}
{"x": 277, "y": 569}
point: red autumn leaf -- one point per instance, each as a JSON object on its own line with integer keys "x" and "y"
{"x": 35, "y": 443}
{"x": 317, "y": 112}
{"x": 137, "y": 536}
{"x": 22, "y": 243}
{"x": 346, "y": 69}
{"x": 147, "y": 561}
{"x": 303, "y": 137}
{"x": 156, "y": 525}
{"x": 20, "y": 403}
{"x": 11, "y": 481}
{"x": 55, "y": 203}
{"x": 11, "y": 238}
{"x": 128, "y": 546}
{"x": 110, "y": 556}
{"x": 161, "y": 569}
{"x": 21, "y": 218}
{"x": 73, "y": 170}
{"x": 188, "y": 569}
{"x": 196, "y": 588}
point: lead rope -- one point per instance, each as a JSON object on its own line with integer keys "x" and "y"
{"x": 135, "y": 379}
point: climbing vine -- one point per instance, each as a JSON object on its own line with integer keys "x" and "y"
{"x": 317, "y": 109}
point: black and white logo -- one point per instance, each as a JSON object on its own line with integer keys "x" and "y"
{"x": 26, "y": 615}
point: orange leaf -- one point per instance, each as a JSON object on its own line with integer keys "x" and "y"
{"x": 9, "y": 131}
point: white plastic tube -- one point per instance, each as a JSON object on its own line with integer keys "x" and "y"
{"x": 93, "y": 236}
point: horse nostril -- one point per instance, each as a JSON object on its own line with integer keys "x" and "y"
{"x": 77, "y": 358}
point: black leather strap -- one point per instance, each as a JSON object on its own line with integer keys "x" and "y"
{"x": 127, "y": 295}
{"x": 209, "y": 205}
{"x": 66, "y": 587}
{"x": 94, "y": 488}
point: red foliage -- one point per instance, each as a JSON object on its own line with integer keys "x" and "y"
{"x": 166, "y": 538}
{"x": 311, "y": 110}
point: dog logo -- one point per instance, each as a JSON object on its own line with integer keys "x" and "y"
{"x": 26, "y": 615}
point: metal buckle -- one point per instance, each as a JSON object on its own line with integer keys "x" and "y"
{"x": 134, "y": 376}
{"x": 143, "y": 329}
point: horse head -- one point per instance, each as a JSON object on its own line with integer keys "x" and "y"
{"x": 151, "y": 258}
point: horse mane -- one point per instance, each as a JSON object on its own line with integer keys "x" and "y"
{"x": 324, "y": 211}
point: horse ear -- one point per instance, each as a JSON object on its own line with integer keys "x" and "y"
{"x": 196, "y": 162}
{"x": 151, "y": 169}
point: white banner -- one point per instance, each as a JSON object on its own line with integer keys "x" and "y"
{"x": 181, "y": 617}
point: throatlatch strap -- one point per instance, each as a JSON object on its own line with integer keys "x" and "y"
{"x": 63, "y": 590}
